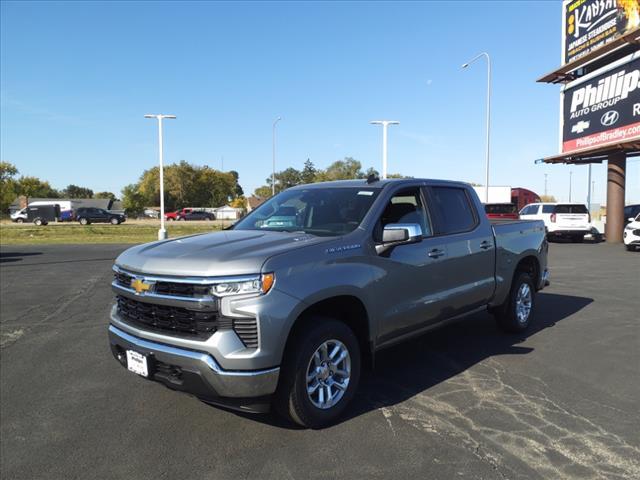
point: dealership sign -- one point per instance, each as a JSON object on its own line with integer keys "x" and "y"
{"x": 603, "y": 108}
{"x": 590, "y": 24}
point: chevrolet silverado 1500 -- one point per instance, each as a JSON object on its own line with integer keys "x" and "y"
{"x": 288, "y": 305}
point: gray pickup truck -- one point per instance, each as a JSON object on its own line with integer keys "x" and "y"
{"x": 289, "y": 304}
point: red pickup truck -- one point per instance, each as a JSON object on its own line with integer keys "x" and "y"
{"x": 177, "y": 213}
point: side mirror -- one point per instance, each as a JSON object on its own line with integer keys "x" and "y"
{"x": 395, "y": 234}
{"x": 631, "y": 219}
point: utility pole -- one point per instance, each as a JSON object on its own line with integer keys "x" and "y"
{"x": 545, "y": 184}
{"x": 589, "y": 191}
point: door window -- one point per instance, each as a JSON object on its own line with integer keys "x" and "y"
{"x": 453, "y": 209}
{"x": 406, "y": 206}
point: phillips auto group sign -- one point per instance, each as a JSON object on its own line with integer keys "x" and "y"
{"x": 590, "y": 24}
{"x": 604, "y": 108}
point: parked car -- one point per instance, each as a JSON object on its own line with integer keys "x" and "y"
{"x": 501, "y": 211}
{"x": 43, "y": 214}
{"x": 288, "y": 315}
{"x": 87, "y": 215}
{"x": 151, "y": 213}
{"x": 631, "y": 235}
{"x": 563, "y": 220}
{"x": 631, "y": 212}
{"x": 196, "y": 215}
{"x": 174, "y": 215}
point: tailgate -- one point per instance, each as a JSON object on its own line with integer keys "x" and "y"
{"x": 572, "y": 219}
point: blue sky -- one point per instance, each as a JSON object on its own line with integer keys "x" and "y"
{"x": 77, "y": 78}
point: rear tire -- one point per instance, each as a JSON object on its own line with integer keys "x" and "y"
{"x": 315, "y": 386}
{"x": 38, "y": 222}
{"x": 514, "y": 315}
{"x": 20, "y": 220}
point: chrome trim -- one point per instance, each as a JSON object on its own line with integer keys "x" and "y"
{"x": 199, "y": 303}
{"x": 201, "y": 356}
{"x": 413, "y": 229}
{"x": 191, "y": 280}
{"x": 222, "y": 383}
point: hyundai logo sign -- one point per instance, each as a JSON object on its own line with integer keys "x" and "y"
{"x": 609, "y": 118}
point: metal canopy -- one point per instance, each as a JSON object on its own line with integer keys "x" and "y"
{"x": 595, "y": 155}
{"x": 566, "y": 73}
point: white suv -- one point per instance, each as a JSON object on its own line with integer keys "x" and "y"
{"x": 632, "y": 234}
{"x": 569, "y": 220}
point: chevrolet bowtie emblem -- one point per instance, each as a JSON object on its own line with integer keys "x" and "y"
{"x": 140, "y": 286}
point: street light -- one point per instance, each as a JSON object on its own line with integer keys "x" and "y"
{"x": 273, "y": 171}
{"x": 486, "y": 55}
{"x": 385, "y": 124}
{"x": 162, "y": 233}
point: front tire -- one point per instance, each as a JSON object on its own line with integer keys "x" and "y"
{"x": 630, "y": 248}
{"x": 320, "y": 373}
{"x": 114, "y": 221}
{"x": 84, "y": 221}
{"x": 515, "y": 314}
{"x": 20, "y": 220}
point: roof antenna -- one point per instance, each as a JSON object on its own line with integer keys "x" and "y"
{"x": 373, "y": 178}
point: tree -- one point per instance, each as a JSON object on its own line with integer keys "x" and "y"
{"x": 8, "y": 185}
{"x": 109, "y": 195}
{"x": 238, "y": 189}
{"x": 262, "y": 192}
{"x": 548, "y": 198}
{"x": 309, "y": 172}
{"x": 74, "y": 191}
{"x": 346, "y": 169}
{"x": 34, "y": 187}
{"x": 132, "y": 200}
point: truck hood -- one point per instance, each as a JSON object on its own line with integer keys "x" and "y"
{"x": 230, "y": 252}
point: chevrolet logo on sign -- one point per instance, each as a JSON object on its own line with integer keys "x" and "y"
{"x": 140, "y": 286}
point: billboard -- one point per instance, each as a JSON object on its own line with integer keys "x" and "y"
{"x": 602, "y": 108}
{"x": 590, "y": 24}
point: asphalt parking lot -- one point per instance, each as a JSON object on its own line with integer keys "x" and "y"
{"x": 465, "y": 401}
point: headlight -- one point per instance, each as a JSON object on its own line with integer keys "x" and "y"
{"x": 258, "y": 284}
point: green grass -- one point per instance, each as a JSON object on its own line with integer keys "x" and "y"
{"x": 73, "y": 233}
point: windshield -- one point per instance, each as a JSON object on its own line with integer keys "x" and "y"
{"x": 325, "y": 212}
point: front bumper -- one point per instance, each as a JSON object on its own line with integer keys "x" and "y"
{"x": 198, "y": 373}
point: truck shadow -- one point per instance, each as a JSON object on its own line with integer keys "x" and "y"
{"x": 6, "y": 257}
{"x": 415, "y": 366}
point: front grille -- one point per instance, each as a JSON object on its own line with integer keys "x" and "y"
{"x": 173, "y": 320}
{"x": 177, "y": 289}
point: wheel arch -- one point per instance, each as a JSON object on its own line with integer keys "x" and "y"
{"x": 348, "y": 309}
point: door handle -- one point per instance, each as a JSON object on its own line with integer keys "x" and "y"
{"x": 436, "y": 253}
{"x": 486, "y": 245}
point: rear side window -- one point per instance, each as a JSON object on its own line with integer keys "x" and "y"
{"x": 548, "y": 208}
{"x": 529, "y": 210}
{"x": 570, "y": 209}
{"x": 500, "y": 208}
{"x": 453, "y": 210}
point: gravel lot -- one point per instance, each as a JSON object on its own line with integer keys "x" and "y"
{"x": 465, "y": 401}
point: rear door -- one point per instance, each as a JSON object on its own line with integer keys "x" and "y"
{"x": 470, "y": 246}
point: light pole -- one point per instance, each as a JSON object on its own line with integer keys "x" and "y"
{"x": 273, "y": 171}
{"x": 589, "y": 191}
{"x": 486, "y": 55}
{"x": 385, "y": 124}
{"x": 545, "y": 184}
{"x": 570, "y": 174}
{"x": 162, "y": 233}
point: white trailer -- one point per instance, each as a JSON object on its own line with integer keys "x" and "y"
{"x": 496, "y": 194}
